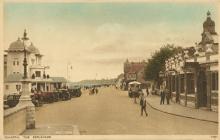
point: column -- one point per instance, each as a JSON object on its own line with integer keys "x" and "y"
{"x": 195, "y": 89}
{"x": 179, "y": 86}
{"x": 209, "y": 83}
{"x": 185, "y": 87}
{"x": 176, "y": 87}
{"x": 45, "y": 87}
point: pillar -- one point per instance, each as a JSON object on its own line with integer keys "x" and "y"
{"x": 176, "y": 87}
{"x": 196, "y": 89}
{"x": 185, "y": 88}
{"x": 209, "y": 83}
{"x": 25, "y": 100}
{"x": 179, "y": 86}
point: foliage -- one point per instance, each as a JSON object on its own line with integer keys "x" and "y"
{"x": 157, "y": 62}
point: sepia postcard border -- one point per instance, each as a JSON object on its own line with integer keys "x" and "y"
{"x": 93, "y": 137}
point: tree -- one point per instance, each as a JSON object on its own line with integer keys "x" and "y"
{"x": 157, "y": 62}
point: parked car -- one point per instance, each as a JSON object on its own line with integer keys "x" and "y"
{"x": 56, "y": 96}
{"x": 12, "y": 100}
{"x": 75, "y": 92}
{"x": 47, "y": 97}
{"x": 64, "y": 94}
{"x": 37, "y": 99}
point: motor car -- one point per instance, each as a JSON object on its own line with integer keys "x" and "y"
{"x": 47, "y": 97}
{"x": 75, "y": 92}
{"x": 64, "y": 94}
{"x": 37, "y": 99}
{"x": 12, "y": 100}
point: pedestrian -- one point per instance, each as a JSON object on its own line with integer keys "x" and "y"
{"x": 143, "y": 104}
{"x": 135, "y": 94}
{"x": 162, "y": 95}
{"x": 96, "y": 90}
{"x": 147, "y": 91}
{"x": 167, "y": 93}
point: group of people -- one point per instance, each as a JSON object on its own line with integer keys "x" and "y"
{"x": 164, "y": 93}
{"x": 93, "y": 91}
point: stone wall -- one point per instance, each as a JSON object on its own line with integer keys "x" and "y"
{"x": 14, "y": 120}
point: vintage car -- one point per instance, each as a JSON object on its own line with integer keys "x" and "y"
{"x": 134, "y": 89}
{"x": 56, "y": 96}
{"x": 47, "y": 97}
{"x": 37, "y": 99}
{"x": 64, "y": 94}
{"x": 12, "y": 100}
{"x": 75, "y": 91}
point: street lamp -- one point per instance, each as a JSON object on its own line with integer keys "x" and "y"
{"x": 25, "y": 38}
{"x": 25, "y": 99}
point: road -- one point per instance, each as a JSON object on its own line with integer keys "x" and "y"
{"x": 112, "y": 112}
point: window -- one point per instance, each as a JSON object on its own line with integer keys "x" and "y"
{"x": 37, "y": 73}
{"x": 214, "y": 80}
{"x": 15, "y": 62}
{"x": 190, "y": 83}
{"x": 18, "y": 87}
{"x": 6, "y": 87}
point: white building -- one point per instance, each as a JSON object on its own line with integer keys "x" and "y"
{"x": 14, "y": 69}
{"x": 192, "y": 75}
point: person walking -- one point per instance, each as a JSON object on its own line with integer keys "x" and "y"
{"x": 147, "y": 91}
{"x": 96, "y": 90}
{"x": 162, "y": 95}
{"x": 143, "y": 104}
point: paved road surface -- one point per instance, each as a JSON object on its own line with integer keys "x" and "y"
{"x": 112, "y": 112}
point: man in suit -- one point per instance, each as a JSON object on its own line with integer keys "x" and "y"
{"x": 143, "y": 104}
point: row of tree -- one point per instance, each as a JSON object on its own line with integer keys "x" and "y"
{"x": 157, "y": 62}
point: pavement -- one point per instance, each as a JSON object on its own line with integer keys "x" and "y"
{"x": 182, "y": 111}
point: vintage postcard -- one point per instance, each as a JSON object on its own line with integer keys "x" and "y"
{"x": 110, "y": 69}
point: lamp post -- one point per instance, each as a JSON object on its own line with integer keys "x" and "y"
{"x": 25, "y": 99}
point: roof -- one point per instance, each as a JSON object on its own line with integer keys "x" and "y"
{"x": 59, "y": 79}
{"x": 16, "y": 46}
{"x": 33, "y": 49}
{"x": 135, "y": 67}
{"x": 19, "y": 46}
{"x": 134, "y": 83}
{"x": 13, "y": 77}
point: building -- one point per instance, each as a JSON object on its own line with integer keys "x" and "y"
{"x": 119, "y": 81}
{"x": 192, "y": 75}
{"x": 134, "y": 71}
{"x": 14, "y": 69}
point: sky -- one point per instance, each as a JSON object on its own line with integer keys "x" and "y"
{"x": 96, "y": 38}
